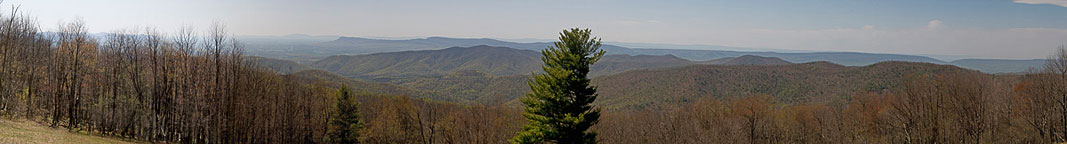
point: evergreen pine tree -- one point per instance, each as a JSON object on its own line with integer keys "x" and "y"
{"x": 559, "y": 108}
{"x": 345, "y": 125}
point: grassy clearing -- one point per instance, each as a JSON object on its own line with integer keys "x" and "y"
{"x": 17, "y": 131}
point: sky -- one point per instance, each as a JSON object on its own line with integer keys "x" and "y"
{"x": 1012, "y": 29}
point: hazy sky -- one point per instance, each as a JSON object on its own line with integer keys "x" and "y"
{"x": 978, "y": 28}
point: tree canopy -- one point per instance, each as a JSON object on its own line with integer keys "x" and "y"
{"x": 559, "y": 107}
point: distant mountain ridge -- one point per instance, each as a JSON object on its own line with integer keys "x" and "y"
{"x": 627, "y": 78}
{"x": 844, "y": 58}
{"x": 305, "y": 51}
{"x": 430, "y": 43}
{"x": 747, "y": 60}
{"x": 1001, "y": 65}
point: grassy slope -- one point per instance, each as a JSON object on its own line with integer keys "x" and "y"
{"x": 13, "y": 131}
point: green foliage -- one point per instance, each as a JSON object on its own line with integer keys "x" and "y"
{"x": 472, "y": 87}
{"x": 559, "y": 108}
{"x": 345, "y": 125}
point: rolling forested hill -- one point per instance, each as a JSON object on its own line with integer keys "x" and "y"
{"x": 489, "y": 59}
{"x": 815, "y": 81}
{"x": 431, "y": 63}
{"x": 495, "y": 75}
{"x": 612, "y": 64}
{"x": 501, "y": 61}
{"x": 321, "y": 77}
{"x": 471, "y": 87}
{"x": 804, "y": 82}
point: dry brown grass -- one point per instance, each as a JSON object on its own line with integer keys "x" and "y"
{"x": 26, "y": 132}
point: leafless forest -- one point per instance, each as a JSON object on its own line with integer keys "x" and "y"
{"x": 196, "y": 86}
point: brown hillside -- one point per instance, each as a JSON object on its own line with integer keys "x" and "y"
{"x": 817, "y": 81}
{"x": 360, "y": 86}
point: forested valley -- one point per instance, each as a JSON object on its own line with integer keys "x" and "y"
{"x": 196, "y": 85}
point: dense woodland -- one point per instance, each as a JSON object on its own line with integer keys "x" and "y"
{"x": 195, "y": 86}
{"x": 141, "y": 84}
{"x": 192, "y": 87}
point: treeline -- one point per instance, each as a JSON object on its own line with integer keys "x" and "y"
{"x": 955, "y": 106}
{"x": 190, "y": 87}
{"x": 393, "y": 119}
{"x": 952, "y": 107}
{"x": 141, "y": 84}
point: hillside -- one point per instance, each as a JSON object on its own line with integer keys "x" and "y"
{"x": 816, "y": 81}
{"x": 813, "y": 81}
{"x": 432, "y": 63}
{"x": 747, "y": 60}
{"x": 360, "y": 86}
{"x": 612, "y": 64}
{"x": 471, "y": 87}
{"x": 486, "y": 74}
{"x": 500, "y": 61}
